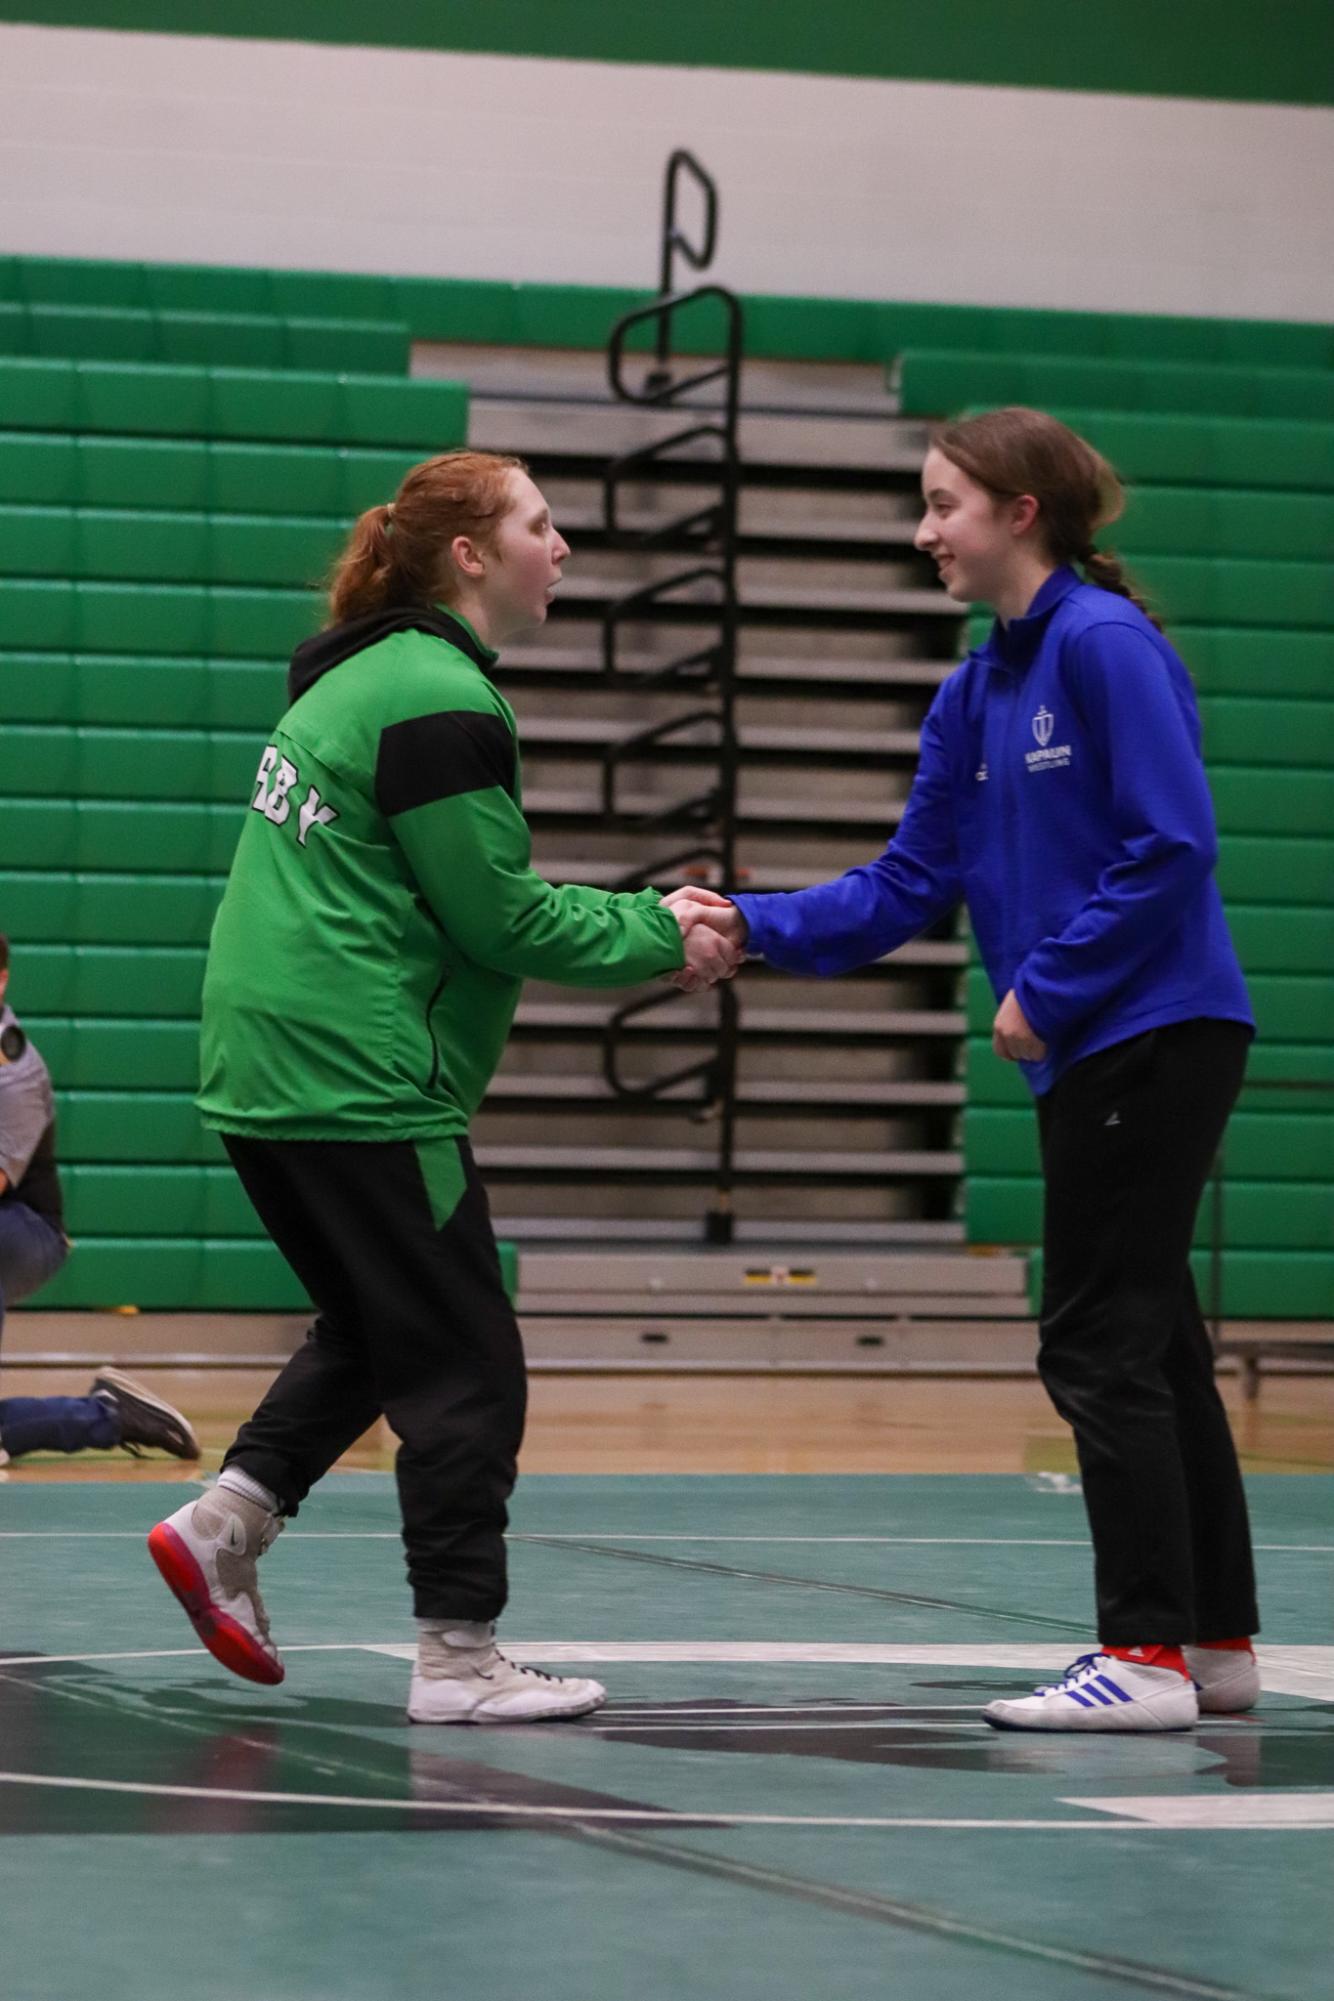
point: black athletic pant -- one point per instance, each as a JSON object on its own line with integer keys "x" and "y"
{"x": 412, "y": 1322}
{"x": 1128, "y": 1137}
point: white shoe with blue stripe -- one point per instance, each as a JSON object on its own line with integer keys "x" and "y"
{"x": 1103, "y": 1692}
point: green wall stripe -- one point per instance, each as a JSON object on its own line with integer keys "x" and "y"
{"x": 1196, "y": 50}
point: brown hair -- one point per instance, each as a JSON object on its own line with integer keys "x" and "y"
{"x": 1014, "y": 451}
{"x": 397, "y": 553}
{"x": 4, "y": 953}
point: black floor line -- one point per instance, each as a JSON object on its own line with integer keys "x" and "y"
{"x": 919, "y": 1918}
{"x": 805, "y": 1583}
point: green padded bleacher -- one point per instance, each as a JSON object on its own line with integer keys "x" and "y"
{"x": 1235, "y": 660}
{"x": 232, "y": 1275}
{"x": 94, "y": 542}
{"x": 157, "y": 982}
{"x": 173, "y": 1272}
{"x": 113, "y": 1201}
{"x": 62, "y": 617}
{"x": 1266, "y": 1145}
{"x": 933, "y": 381}
{"x": 1206, "y": 451}
{"x": 111, "y": 908}
{"x": 68, "y": 761}
{"x": 136, "y": 400}
{"x": 115, "y": 1054}
{"x": 580, "y": 316}
{"x": 62, "y": 469}
{"x": 1257, "y": 1215}
{"x": 111, "y": 688}
{"x": 1203, "y": 521}
{"x": 119, "y": 835}
{"x": 1242, "y": 731}
{"x": 219, "y": 340}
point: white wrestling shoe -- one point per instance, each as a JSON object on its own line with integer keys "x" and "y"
{"x": 207, "y": 1552}
{"x": 1227, "y": 1678}
{"x": 1103, "y": 1692}
{"x": 473, "y": 1682}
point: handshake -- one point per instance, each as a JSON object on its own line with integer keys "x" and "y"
{"x": 714, "y": 934}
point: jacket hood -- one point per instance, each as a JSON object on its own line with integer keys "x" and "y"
{"x": 314, "y": 657}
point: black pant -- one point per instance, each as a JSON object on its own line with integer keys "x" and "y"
{"x": 412, "y": 1322}
{"x": 1128, "y": 1136}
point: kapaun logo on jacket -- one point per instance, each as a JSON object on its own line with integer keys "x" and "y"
{"x": 274, "y": 790}
{"x": 1048, "y": 755}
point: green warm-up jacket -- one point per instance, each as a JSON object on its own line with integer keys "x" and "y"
{"x": 382, "y": 912}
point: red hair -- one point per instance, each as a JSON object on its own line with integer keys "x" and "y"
{"x": 398, "y": 552}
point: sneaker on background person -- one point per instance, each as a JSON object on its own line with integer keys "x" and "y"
{"x": 461, "y": 1676}
{"x": 207, "y": 1553}
{"x": 1131, "y": 1688}
{"x": 1226, "y": 1675}
{"x": 146, "y": 1421}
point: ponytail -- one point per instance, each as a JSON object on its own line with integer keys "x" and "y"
{"x": 365, "y": 578}
{"x": 1103, "y": 568}
{"x": 398, "y": 552}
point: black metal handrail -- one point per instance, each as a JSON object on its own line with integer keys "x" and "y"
{"x": 705, "y": 449}
{"x": 640, "y": 605}
{"x": 708, "y": 1067}
{"x": 674, "y": 242}
{"x": 703, "y": 806}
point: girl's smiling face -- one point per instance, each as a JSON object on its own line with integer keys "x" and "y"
{"x": 973, "y": 536}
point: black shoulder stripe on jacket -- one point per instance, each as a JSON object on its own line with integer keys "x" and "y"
{"x": 439, "y": 756}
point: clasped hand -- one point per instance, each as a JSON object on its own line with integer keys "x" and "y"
{"x": 714, "y": 934}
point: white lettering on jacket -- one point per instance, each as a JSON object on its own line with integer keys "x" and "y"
{"x": 273, "y": 795}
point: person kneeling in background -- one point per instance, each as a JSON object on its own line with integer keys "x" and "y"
{"x": 117, "y": 1411}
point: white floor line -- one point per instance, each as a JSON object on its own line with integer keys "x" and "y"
{"x": 1267, "y": 1808}
{"x": 1251, "y": 1810}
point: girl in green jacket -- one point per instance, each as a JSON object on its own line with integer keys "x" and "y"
{"x": 365, "y": 964}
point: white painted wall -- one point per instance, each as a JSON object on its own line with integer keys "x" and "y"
{"x": 181, "y": 149}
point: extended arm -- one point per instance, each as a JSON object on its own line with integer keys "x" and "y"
{"x": 871, "y": 909}
{"x": 446, "y": 783}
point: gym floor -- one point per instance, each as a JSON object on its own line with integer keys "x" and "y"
{"x": 799, "y": 1592}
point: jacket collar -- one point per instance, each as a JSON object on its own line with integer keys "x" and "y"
{"x": 314, "y": 657}
{"x": 1013, "y": 646}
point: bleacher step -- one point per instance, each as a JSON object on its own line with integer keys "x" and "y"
{"x": 764, "y": 1162}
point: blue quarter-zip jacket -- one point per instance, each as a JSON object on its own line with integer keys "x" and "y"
{"x": 1061, "y": 795}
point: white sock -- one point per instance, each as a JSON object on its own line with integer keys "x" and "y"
{"x": 237, "y": 1482}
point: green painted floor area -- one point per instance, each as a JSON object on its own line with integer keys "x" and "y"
{"x": 789, "y": 1794}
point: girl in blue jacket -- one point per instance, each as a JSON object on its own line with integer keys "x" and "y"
{"x": 1062, "y": 797}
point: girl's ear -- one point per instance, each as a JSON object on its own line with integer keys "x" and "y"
{"x": 1025, "y": 511}
{"x": 466, "y": 557}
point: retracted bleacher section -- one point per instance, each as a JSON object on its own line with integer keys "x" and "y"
{"x": 181, "y": 449}
{"x": 174, "y": 484}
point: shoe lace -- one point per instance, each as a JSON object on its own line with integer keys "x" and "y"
{"x": 517, "y": 1667}
{"x": 1069, "y": 1676}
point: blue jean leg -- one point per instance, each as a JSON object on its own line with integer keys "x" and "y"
{"x": 31, "y": 1252}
